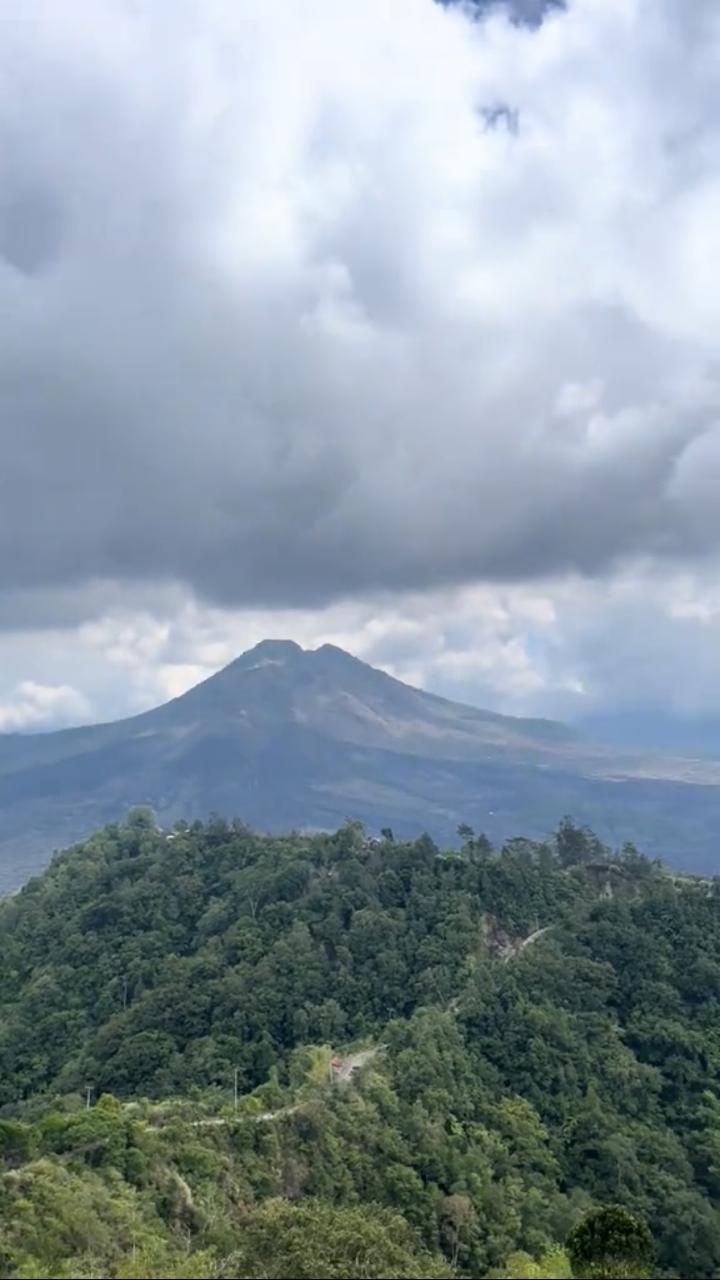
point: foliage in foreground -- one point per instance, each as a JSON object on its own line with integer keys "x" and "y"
{"x": 610, "y": 1243}
{"x": 514, "y": 1090}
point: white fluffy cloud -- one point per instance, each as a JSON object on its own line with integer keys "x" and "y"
{"x": 636, "y": 642}
{"x": 42, "y": 706}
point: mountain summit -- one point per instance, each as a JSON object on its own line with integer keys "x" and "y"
{"x": 291, "y": 737}
{"x": 327, "y": 690}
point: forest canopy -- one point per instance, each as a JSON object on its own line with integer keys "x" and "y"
{"x": 226, "y": 1053}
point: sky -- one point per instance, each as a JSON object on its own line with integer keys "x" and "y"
{"x": 390, "y": 324}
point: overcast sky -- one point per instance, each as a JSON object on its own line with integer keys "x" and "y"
{"x": 388, "y": 323}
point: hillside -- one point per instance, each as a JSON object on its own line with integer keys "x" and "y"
{"x": 289, "y": 738}
{"x": 516, "y": 1048}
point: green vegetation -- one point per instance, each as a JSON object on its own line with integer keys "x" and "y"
{"x": 611, "y": 1242}
{"x": 530, "y": 1048}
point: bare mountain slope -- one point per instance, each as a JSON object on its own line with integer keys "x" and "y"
{"x": 289, "y": 737}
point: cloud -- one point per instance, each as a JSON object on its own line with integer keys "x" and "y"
{"x": 530, "y": 12}
{"x": 285, "y": 320}
{"x": 42, "y": 706}
{"x": 642, "y": 640}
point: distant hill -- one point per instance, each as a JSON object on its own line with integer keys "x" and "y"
{"x": 286, "y": 737}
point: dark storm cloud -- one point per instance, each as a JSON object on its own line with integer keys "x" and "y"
{"x": 531, "y": 12}
{"x": 285, "y": 337}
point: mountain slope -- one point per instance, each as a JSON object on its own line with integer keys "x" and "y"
{"x": 285, "y": 737}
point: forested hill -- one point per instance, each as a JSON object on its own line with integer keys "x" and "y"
{"x": 542, "y": 1033}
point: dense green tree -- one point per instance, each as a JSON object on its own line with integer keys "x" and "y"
{"x": 610, "y": 1242}
{"x": 315, "y": 1239}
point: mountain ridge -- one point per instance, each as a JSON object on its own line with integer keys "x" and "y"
{"x": 290, "y": 737}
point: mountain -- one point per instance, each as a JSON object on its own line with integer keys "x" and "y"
{"x": 286, "y": 737}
